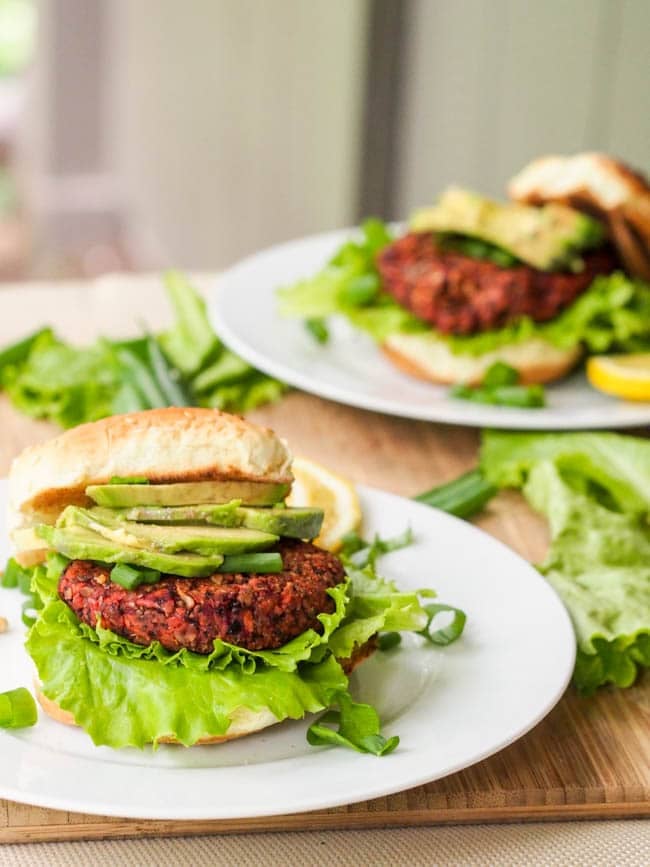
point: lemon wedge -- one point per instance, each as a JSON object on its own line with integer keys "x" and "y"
{"x": 626, "y": 376}
{"x": 315, "y": 485}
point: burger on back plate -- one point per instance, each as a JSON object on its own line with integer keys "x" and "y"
{"x": 181, "y": 600}
{"x": 473, "y": 281}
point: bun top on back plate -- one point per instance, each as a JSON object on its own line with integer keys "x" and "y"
{"x": 602, "y": 186}
{"x": 163, "y": 445}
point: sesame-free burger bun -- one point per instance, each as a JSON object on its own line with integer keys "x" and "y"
{"x": 429, "y": 357}
{"x": 162, "y": 445}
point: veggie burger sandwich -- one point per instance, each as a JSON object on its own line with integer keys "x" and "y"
{"x": 179, "y": 599}
{"x": 472, "y": 281}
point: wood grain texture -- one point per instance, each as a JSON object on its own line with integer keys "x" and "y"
{"x": 590, "y": 758}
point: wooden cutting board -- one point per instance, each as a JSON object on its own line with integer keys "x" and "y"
{"x": 590, "y": 758}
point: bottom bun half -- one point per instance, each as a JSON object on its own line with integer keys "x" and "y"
{"x": 242, "y": 722}
{"x": 428, "y": 357}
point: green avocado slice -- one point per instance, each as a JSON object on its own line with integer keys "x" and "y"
{"x": 295, "y": 523}
{"x": 79, "y": 543}
{"x": 189, "y": 493}
{"x": 548, "y": 237}
{"x": 169, "y": 539}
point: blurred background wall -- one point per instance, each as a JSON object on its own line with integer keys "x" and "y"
{"x": 142, "y": 133}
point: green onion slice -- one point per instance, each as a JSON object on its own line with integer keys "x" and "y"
{"x": 17, "y": 709}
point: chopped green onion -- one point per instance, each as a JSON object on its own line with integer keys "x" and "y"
{"x": 167, "y": 376}
{"x": 318, "y": 330}
{"x": 252, "y": 563}
{"x": 447, "y": 634}
{"x": 30, "y": 608}
{"x": 137, "y": 372}
{"x": 17, "y": 709}
{"x": 500, "y": 388}
{"x": 368, "y": 554}
{"x": 358, "y": 728}
{"x": 389, "y": 640}
{"x": 227, "y": 368}
{"x": 16, "y": 575}
{"x": 9, "y": 578}
{"x": 129, "y": 576}
{"x": 463, "y": 497}
{"x": 500, "y": 373}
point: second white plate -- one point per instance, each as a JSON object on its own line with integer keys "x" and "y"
{"x": 351, "y": 369}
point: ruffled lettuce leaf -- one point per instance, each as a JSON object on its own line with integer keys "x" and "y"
{"x": 609, "y": 467}
{"x": 376, "y": 605}
{"x": 594, "y": 489}
{"x": 122, "y": 699}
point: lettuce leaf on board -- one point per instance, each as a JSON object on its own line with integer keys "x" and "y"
{"x": 45, "y": 377}
{"x": 594, "y": 489}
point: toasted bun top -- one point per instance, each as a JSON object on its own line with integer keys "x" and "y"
{"x": 603, "y": 187}
{"x": 164, "y": 445}
{"x": 607, "y": 181}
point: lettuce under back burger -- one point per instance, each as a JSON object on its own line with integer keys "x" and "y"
{"x": 471, "y": 282}
{"x": 182, "y": 601}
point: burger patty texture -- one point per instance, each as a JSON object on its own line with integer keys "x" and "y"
{"x": 461, "y": 295}
{"x": 258, "y": 612}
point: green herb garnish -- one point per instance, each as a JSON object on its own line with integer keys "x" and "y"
{"x": 259, "y": 563}
{"x": 358, "y": 728}
{"x": 17, "y": 709}
{"x": 464, "y": 496}
{"x": 130, "y": 577}
{"x": 318, "y": 330}
{"x": 500, "y": 387}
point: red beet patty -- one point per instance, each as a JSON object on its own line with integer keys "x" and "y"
{"x": 258, "y": 612}
{"x": 461, "y": 295}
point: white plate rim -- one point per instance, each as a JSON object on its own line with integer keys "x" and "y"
{"x": 563, "y": 637}
{"x": 614, "y": 413}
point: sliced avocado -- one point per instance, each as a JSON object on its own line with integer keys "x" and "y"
{"x": 169, "y": 539}
{"x": 79, "y": 543}
{"x": 547, "y": 237}
{"x": 294, "y": 523}
{"x": 189, "y": 493}
{"x": 222, "y": 515}
{"x": 302, "y": 523}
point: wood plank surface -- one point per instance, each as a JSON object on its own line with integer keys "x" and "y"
{"x": 590, "y": 758}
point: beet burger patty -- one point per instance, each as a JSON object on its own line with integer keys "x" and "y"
{"x": 458, "y": 294}
{"x": 257, "y": 612}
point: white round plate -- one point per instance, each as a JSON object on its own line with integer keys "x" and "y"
{"x": 351, "y": 369}
{"x": 450, "y": 706}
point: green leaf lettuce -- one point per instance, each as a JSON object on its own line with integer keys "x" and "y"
{"x": 594, "y": 489}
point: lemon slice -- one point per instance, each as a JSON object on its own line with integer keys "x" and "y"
{"x": 315, "y": 485}
{"x": 626, "y": 376}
